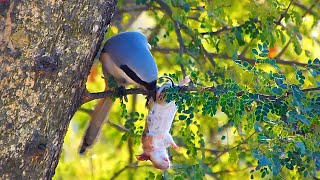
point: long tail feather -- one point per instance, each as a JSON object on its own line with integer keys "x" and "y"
{"x": 98, "y": 117}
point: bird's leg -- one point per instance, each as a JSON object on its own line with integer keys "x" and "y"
{"x": 152, "y": 94}
{"x": 121, "y": 92}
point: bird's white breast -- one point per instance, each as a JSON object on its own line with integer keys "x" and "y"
{"x": 111, "y": 68}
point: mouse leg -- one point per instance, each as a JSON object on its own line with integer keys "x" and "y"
{"x": 170, "y": 141}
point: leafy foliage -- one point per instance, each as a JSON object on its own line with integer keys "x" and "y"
{"x": 256, "y": 109}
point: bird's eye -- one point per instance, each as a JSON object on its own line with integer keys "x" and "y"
{"x": 166, "y": 159}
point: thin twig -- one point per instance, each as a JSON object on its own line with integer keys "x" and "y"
{"x": 179, "y": 25}
{"x": 129, "y": 166}
{"x": 311, "y": 7}
{"x": 130, "y": 141}
{"x": 230, "y": 171}
{"x": 225, "y": 56}
{"x": 302, "y": 6}
{"x": 164, "y": 49}
{"x": 245, "y": 49}
{"x": 181, "y": 47}
{"x": 133, "y": 8}
{"x": 118, "y": 127}
{"x": 252, "y": 61}
{"x": 205, "y": 52}
{"x": 225, "y": 28}
{"x": 168, "y": 11}
{"x": 228, "y": 149}
{"x": 283, "y": 50}
{"x": 116, "y": 174}
{"x": 88, "y": 111}
{"x": 283, "y": 14}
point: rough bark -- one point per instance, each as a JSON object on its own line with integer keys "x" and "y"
{"x": 46, "y": 51}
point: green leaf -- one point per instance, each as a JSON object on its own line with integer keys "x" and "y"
{"x": 263, "y": 161}
{"x": 307, "y": 53}
{"x": 254, "y": 51}
{"x": 276, "y": 166}
{"x": 289, "y": 166}
{"x": 277, "y": 91}
{"x": 301, "y": 147}
{"x": 297, "y": 46}
{"x": 283, "y": 86}
{"x": 233, "y": 156}
{"x": 257, "y": 127}
{"x": 186, "y": 7}
{"x": 239, "y": 37}
{"x": 245, "y": 63}
{"x": 273, "y": 63}
{"x": 283, "y": 37}
{"x": 263, "y": 54}
{"x": 182, "y": 117}
{"x": 151, "y": 175}
{"x": 303, "y": 119}
{"x": 297, "y": 17}
{"x": 194, "y": 76}
{"x": 265, "y": 46}
{"x": 278, "y": 81}
{"x": 178, "y": 178}
{"x": 260, "y": 47}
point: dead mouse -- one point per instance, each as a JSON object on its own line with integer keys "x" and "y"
{"x": 156, "y": 136}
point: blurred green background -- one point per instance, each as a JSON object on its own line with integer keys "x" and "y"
{"x": 227, "y": 148}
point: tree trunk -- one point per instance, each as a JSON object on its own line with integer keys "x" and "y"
{"x": 46, "y": 51}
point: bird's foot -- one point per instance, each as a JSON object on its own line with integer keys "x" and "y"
{"x": 122, "y": 93}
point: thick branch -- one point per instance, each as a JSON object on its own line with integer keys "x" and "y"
{"x": 92, "y": 96}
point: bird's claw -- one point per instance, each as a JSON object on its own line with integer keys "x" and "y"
{"x": 121, "y": 91}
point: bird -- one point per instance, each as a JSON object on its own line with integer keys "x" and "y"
{"x": 127, "y": 58}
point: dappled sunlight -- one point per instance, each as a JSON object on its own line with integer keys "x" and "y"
{"x": 251, "y": 107}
